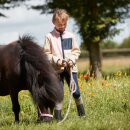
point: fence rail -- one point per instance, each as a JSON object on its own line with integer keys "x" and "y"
{"x": 109, "y": 52}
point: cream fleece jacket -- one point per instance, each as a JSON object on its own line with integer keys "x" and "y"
{"x": 53, "y": 48}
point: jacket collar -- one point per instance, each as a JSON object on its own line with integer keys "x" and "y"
{"x": 57, "y": 32}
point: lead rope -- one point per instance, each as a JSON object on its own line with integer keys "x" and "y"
{"x": 73, "y": 88}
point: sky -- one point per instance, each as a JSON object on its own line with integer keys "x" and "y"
{"x": 21, "y": 21}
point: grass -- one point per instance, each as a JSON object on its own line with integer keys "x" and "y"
{"x": 107, "y": 106}
{"x": 108, "y": 64}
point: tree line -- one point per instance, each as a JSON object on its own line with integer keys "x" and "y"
{"x": 109, "y": 44}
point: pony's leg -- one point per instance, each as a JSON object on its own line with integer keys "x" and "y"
{"x": 15, "y": 105}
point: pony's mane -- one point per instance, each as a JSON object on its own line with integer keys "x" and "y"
{"x": 35, "y": 55}
{"x": 26, "y": 38}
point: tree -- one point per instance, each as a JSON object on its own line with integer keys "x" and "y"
{"x": 96, "y": 20}
{"x": 7, "y": 4}
{"x": 125, "y": 43}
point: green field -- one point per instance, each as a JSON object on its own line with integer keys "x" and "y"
{"x": 107, "y": 106}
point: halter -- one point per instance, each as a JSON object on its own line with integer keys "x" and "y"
{"x": 44, "y": 114}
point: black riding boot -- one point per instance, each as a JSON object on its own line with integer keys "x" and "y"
{"x": 80, "y": 109}
{"x": 57, "y": 115}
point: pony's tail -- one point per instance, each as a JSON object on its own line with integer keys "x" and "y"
{"x": 41, "y": 76}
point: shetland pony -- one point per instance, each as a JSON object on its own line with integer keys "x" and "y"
{"x": 24, "y": 66}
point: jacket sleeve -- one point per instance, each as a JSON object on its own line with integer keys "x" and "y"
{"x": 48, "y": 50}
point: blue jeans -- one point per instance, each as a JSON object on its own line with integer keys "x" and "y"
{"x": 66, "y": 75}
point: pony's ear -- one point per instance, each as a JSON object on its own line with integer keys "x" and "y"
{"x": 19, "y": 40}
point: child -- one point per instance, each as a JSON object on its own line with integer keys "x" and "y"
{"x": 63, "y": 51}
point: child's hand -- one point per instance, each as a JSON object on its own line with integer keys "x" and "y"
{"x": 61, "y": 63}
{"x": 64, "y": 63}
{"x": 70, "y": 63}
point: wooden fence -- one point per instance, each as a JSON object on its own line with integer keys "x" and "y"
{"x": 109, "y": 52}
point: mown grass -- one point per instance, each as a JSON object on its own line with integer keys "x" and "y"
{"x": 107, "y": 106}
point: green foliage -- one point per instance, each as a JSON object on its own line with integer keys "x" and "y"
{"x": 125, "y": 43}
{"x": 109, "y": 44}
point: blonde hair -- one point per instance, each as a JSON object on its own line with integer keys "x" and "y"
{"x": 60, "y": 16}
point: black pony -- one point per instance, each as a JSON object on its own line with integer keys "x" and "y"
{"x": 24, "y": 66}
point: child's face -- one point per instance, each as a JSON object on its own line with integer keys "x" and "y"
{"x": 60, "y": 26}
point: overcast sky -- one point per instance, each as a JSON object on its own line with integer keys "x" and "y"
{"x": 22, "y": 21}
